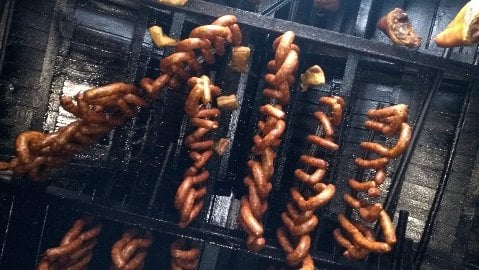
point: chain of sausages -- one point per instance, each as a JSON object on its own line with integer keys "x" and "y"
{"x": 208, "y": 40}
{"x": 103, "y": 108}
{"x": 130, "y": 251}
{"x": 99, "y": 111}
{"x": 190, "y": 193}
{"x": 359, "y": 240}
{"x": 280, "y": 78}
{"x": 299, "y": 218}
{"x": 76, "y": 248}
{"x": 184, "y": 255}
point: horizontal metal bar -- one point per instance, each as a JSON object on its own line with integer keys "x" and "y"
{"x": 70, "y": 200}
{"x": 451, "y": 68}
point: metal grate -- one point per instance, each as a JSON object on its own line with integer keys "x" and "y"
{"x": 131, "y": 176}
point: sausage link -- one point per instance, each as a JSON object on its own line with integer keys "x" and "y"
{"x": 190, "y": 193}
{"x": 112, "y": 105}
{"x": 75, "y": 249}
{"x": 299, "y": 219}
{"x": 130, "y": 251}
{"x": 271, "y": 128}
{"x": 359, "y": 240}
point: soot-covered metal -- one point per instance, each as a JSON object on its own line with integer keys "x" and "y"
{"x": 53, "y": 48}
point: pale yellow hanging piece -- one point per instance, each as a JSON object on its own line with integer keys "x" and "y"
{"x": 173, "y": 2}
{"x": 463, "y": 30}
{"x": 159, "y": 38}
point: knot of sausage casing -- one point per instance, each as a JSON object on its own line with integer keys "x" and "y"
{"x": 100, "y": 110}
{"x": 76, "y": 248}
{"x": 353, "y": 251}
{"x": 130, "y": 251}
{"x": 270, "y": 129}
{"x": 296, "y": 254}
{"x": 282, "y": 68}
{"x": 398, "y": 149}
{"x": 359, "y": 241}
{"x": 299, "y": 218}
{"x": 207, "y": 39}
{"x": 190, "y": 193}
{"x": 359, "y": 238}
{"x": 387, "y": 120}
{"x": 184, "y": 255}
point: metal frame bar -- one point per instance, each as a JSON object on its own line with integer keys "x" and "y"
{"x": 72, "y": 201}
{"x": 7, "y": 227}
{"x": 350, "y": 43}
{"x": 398, "y": 252}
{"x": 6, "y": 8}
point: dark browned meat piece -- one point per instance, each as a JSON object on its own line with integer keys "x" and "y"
{"x": 398, "y": 28}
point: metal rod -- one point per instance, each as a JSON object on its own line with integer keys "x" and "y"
{"x": 271, "y": 10}
{"x": 7, "y": 10}
{"x": 438, "y": 196}
{"x": 431, "y": 26}
{"x": 334, "y": 39}
{"x": 400, "y": 233}
{"x": 233, "y": 124}
{"x": 345, "y": 91}
{"x": 7, "y": 228}
{"x": 160, "y": 177}
{"x": 406, "y": 263}
{"x": 293, "y": 10}
{"x": 45, "y": 217}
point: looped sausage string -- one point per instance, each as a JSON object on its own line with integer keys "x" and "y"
{"x": 184, "y": 254}
{"x": 101, "y": 109}
{"x": 356, "y": 238}
{"x": 76, "y": 248}
{"x": 299, "y": 218}
{"x": 261, "y": 165}
{"x": 130, "y": 251}
{"x": 190, "y": 193}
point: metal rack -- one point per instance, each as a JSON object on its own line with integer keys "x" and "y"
{"x": 134, "y": 185}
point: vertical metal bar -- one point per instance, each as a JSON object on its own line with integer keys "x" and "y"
{"x": 400, "y": 233}
{"x": 438, "y": 196}
{"x": 431, "y": 27}
{"x": 363, "y": 20}
{"x": 476, "y": 57}
{"x": 160, "y": 177}
{"x": 7, "y": 229}
{"x": 58, "y": 47}
{"x": 6, "y": 8}
{"x": 233, "y": 124}
{"x": 45, "y": 217}
{"x": 345, "y": 91}
{"x": 293, "y": 10}
{"x": 406, "y": 263}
